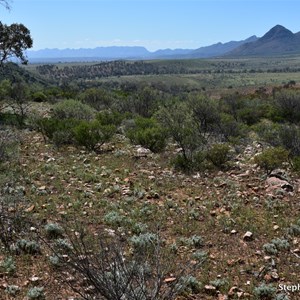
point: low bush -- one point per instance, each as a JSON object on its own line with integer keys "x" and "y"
{"x": 93, "y": 134}
{"x": 106, "y": 267}
{"x": 72, "y": 109}
{"x": 265, "y": 291}
{"x": 272, "y": 158}
{"x": 148, "y": 133}
{"x": 218, "y": 155}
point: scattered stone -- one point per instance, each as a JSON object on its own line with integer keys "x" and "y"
{"x": 210, "y": 289}
{"x": 232, "y": 291}
{"x": 274, "y": 184}
{"x": 170, "y": 279}
{"x": 276, "y": 227}
{"x": 248, "y": 236}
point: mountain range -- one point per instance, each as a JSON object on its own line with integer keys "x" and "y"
{"x": 277, "y": 41}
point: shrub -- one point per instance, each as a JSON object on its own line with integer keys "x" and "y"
{"x": 36, "y": 293}
{"x": 54, "y": 231}
{"x": 290, "y": 138}
{"x": 181, "y": 163}
{"x": 8, "y": 142}
{"x": 60, "y": 132}
{"x": 72, "y": 109}
{"x": 97, "y": 98}
{"x": 104, "y": 267}
{"x": 8, "y": 265}
{"x": 12, "y": 290}
{"x": 268, "y": 132}
{"x": 281, "y": 244}
{"x": 92, "y": 134}
{"x": 28, "y": 247}
{"x": 218, "y": 154}
{"x": 265, "y": 291}
{"x": 188, "y": 285}
{"x": 39, "y": 96}
{"x": 272, "y": 158}
{"x": 270, "y": 249}
{"x": 110, "y": 118}
{"x": 144, "y": 241}
{"x": 200, "y": 256}
{"x": 295, "y": 162}
{"x": 148, "y": 133}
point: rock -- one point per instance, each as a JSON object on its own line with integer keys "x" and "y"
{"x": 142, "y": 152}
{"x": 210, "y": 289}
{"x": 232, "y": 291}
{"x": 248, "y": 236}
{"x": 281, "y": 174}
{"x": 170, "y": 279}
{"x": 274, "y": 184}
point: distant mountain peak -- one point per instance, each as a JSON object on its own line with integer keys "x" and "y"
{"x": 277, "y": 41}
{"x": 277, "y": 32}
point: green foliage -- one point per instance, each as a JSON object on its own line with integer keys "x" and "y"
{"x": 72, "y": 109}
{"x": 111, "y": 118}
{"x": 200, "y": 256}
{"x": 93, "y": 134}
{"x": 189, "y": 285}
{"x": 97, "y": 98}
{"x": 219, "y": 155}
{"x": 265, "y": 291}
{"x": 8, "y": 265}
{"x": 53, "y": 231}
{"x": 296, "y": 163}
{"x": 268, "y": 132}
{"x": 270, "y": 249}
{"x": 144, "y": 241}
{"x": 59, "y": 131}
{"x": 183, "y": 164}
{"x": 148, "y": 133}
{"x": 39, "y": 96}
{"x": 15, "y": 39}
{"x": 36, "y": 293}
{"x": 288, "y": 104}
{"x": 272, "y": 158}
{"x": 281, "y": 244}
{"x": 28, "y": 247}
{"x": 290, "y": 138}
{"x": 12, "y": 290}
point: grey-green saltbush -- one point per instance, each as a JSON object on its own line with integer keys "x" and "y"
{"x": 200, "y": 256}
{"x": 63, "y": 245}
{"x": 270, "y": 249}
{"x": 36, "y": 293}
{"x": 281, "y": 244}
{"x": 189, "y": 284}
{"x": 28, "y": 247}
{"x": 53, "y": 230}
{"x": 8, "y": 265}
{"x": 194, "y": 241}
{"x": 265, "y": 291}
{"x": 144, "y": 241}
{"x": 12, "y": 290}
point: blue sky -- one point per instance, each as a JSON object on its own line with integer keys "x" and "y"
{"x": 154, "y": 24}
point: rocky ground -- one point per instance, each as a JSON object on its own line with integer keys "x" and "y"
{"x": 238, "y": 213}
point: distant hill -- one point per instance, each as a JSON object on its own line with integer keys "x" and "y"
{"x": 277, "y": 41}
{"x": 124, "y": 52}
{"x": 219, "y": 48}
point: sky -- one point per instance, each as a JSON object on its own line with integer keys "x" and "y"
{"x": 153, "y": 24}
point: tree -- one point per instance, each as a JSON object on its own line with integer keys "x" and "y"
{"x": 5, "y": 3}
{"x": 14, "y": 40}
